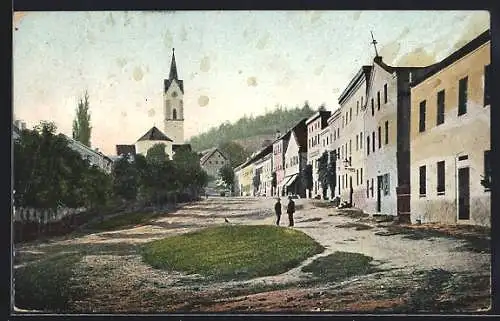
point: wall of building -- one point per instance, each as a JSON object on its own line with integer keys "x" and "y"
{"x": 142, "y": 146}
{"x": 313, "y": 151}
{"x": 174, "y": 128}
{"x": 468, "y": 134}
{"x": 266, "y": 179}
{"x": 278, "y": 166}
{"x": 383, "y": 160}
{"x": 246, "y": 180}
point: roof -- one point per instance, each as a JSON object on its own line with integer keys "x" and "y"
{"x": 154, "y": 134}
{"x": 460, "y": 53}
{"x": 208, "y": 153}
{"x": 173, "y": 75}
{"x": 363, "y": 73}
{"x": 125, "y": 149}
{"x": 177, "y": 147}
{"x": 324, "y": 114}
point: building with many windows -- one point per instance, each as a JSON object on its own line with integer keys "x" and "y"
{"x": 450, "y": 138}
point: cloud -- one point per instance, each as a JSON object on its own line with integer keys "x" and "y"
{"x": 418, "y": 57}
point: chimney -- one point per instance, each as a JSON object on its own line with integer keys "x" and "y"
{"x": 278, "y": 134}
{"x": 377, "y": 59}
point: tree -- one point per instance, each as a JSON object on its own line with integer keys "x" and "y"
{"x": 81, "y": 123}
{"x": 125, "y": 179}
{"x": 307, "y": 178}
{"x": 235, "y": 152}
{"x": 323, "y": 173}
{"x": 157, "y": 153}
{"x": 226, "y": 174}
{"x": 191, "y": 177}
{"x": 332, "y": 173}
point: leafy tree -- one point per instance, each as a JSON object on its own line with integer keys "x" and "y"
{"x": 81, "y": 123}
{"x": 323, "y": 173}
{"x": 157, "y": 153}
{"x": 226, "y": 174}
{"x": 235, "y": 152}
{"x": 191, "y": 177}
{"x": 125, "y": 179}
{"x": 332, "y": 173}
{"x": 307, "y": 178}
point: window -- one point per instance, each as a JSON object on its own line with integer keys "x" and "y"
{"x": 342, "y": 152}
{"x": 379, "y": 137}
{"x": 350, "y": 145}
{"x": 216, "y": 162}
{"x": 334, "y": 134}
{"x": 378, "y": 100}
{"x": 357, "y": 108}
{"x": 421, "y": 125}
{"x": 357, "y": 177}
{"x": 338, "y": 153}
{"x": 385, "y": 180}
{"x": 174, "y": 114}
{"x": 338, "y": 132}
{"x": 367, "y": 145}
{"x": 487, "y": 71}
{"x": 385, "y": 94}
{"x": 367, "y": 188}
{"x": 361, "y": 175}
{"x": 361, "y": 102}
{"x": 440, "y": 108}
{"x": 361, "y": 140}
{"x": 371, "y": 187}
{"x": 373, "y": 141}
{"x": 342, "y": 181}
{"x": 386, "y": 132}
{"x": 487, "y": 170}
{"x": 462, "y": 96}
{"x": 373, "y": 109}
{"x": 422, "y": 181}
{"x": 440, "y": 178}
{"x": 350, "y": 114}
{"x": 357, "y": 142}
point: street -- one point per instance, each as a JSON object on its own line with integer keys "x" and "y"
{"x": 426, "y": 273}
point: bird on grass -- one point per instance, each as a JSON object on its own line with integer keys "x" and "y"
{"x": 226, "y": 220}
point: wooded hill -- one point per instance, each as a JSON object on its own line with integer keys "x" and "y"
{"x": 251, "y": 131}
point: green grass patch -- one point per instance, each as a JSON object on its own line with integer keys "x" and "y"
{"x": 232, "y": 252}
{"x": 45, "y": 285}
{"x": 123, "y": 221}
{"x": 339, "y": 266}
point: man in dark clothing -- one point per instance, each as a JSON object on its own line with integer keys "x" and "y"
{"x": 290, "y": 209}
{"x": 277, "y": 210}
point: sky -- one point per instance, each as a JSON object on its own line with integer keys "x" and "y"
{"x": 233, "y": 63}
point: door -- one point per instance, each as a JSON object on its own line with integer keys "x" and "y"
{"x": 379, "y": 192}
{"x": 463, "y": 194}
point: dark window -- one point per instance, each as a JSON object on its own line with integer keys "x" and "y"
{"x": 440, "y": 107}
{"x": 371, "y": 187}
{"x": 373, "y": 141}
{"x": 338, "y": 132}
{"x": 385, "y": 94}
{"x": 422, "y": 181}
{"x": 421, "y": 126}
{"x": 379, "y": 137}
{"x": 361, "y": 102}
{"x": 487, "y": 169}
{"x": 386, "y": 132}
{"x": 350, "y": 147}
{"x": 367, "y": 188}
{"x": 357, "y": 177}
{"x": 338, "y": 153}
{"x": 487, "y": 71}
{"x": 357, "y": 142}
{"x": 361, "y": 140}
{"x": 357, "y": 108}
{"x": 361, "y": 175}
{"x": 367, "y": 145}
{"x": 350, "y": 114}
{"x": 463, "y": 157}
{"x": 462, "y": 96}
{"x": 378, "y": 100}
{"x": 174, "y": 114}
{"x": 373, "y": 108}
{"x": 440, "y": 178}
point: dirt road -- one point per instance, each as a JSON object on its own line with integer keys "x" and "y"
{"x": 413, "y": 274}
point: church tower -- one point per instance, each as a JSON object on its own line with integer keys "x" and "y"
{"x": 173, "y": 111}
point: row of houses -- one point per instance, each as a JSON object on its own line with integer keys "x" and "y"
{"x": 407, "y": 141}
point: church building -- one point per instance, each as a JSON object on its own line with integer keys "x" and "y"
{"x": 172, "y": 135}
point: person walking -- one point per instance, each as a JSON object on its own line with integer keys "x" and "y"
{"x": 277, "y": 210}
{"x": 290, "y": 209}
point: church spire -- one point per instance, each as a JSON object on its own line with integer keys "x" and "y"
{"x": 173, "y": 67}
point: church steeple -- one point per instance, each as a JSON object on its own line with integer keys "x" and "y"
{"x": 173, "y": 67}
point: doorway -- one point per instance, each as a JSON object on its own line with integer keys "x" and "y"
{"x": 379, "y": 192}
{"x": 463, "y": 194}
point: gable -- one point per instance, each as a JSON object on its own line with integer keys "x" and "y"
{"x": 293, "y": 146}
{"x": 174, "y": 85}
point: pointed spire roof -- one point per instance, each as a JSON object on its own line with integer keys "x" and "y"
{"x": 173, "y": 75}
{"x": 154, "y": 134}
{"x": 173, "y": 67}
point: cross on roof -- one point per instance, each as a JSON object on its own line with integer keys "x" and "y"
{"x": 374, "y": 42}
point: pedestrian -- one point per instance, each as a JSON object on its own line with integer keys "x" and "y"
{"x": 290, "y": 209}
{"x": 277, "y": 210}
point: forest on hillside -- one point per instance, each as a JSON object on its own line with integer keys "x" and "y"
{"x": 280, "y": 119}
